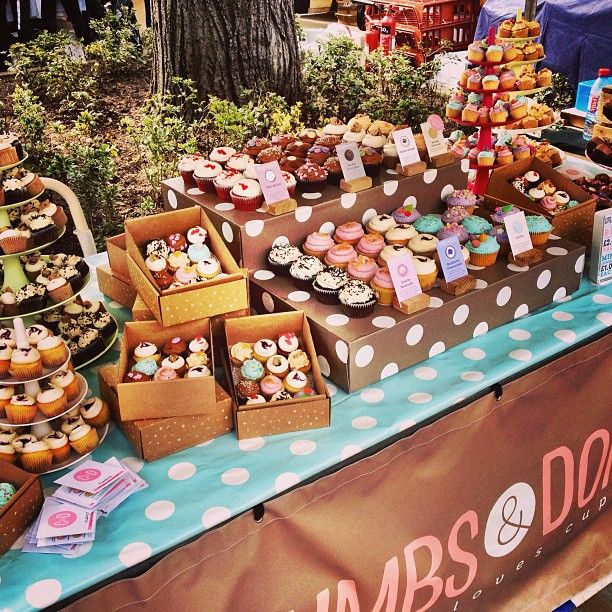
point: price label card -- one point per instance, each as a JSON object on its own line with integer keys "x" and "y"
{"x": 272, "y": 182}
{"x": 601, "y": 252}
{"x": 406, "y": 147}
{"x": 404, "y": 277}
{"x": 91, "y": 476}
{"x": 451, "y": 259}
{"x": 518, "y": 233}
{"x": 433, "y": 133}
{"x": 350, "y": 161}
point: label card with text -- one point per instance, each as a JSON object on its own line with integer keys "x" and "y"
{"x": 451, "y": 259}
{"x": 350, "y": 161}
{"x": 406, "y": 147}
{"x": 404, "y": 277}
{"x": 91, "y": 476}
{"x": 58, "y": 519}
{"x": 433, "y": 133}
{"x": 272, "y": 182}
{"x": 600, "y": 271}
{"x": 518, "y": 233}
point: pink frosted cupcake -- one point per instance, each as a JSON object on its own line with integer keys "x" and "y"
{"x": 317, "y": 244}
{"x": 270, "y": 385}
{"x": 349, "y": 233}
{"x": 383, "y": 287}
{"x": 370, "y": 245}
{"x": 186, "y": 167}
{"x": 204, "y": 174}
{"x": 224, "y": 182}
{"x": 362, "y": 268}
{"x": 340, "y": 255}
{"x": 246, "y": 195}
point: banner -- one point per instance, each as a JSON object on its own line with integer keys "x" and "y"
{"x": 502, "y": 505}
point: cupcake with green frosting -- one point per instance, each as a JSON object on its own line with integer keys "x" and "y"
{"x": 428, "y": 224}
{"x": 483, "y": 250}
{"x": 539, "y": 229}
{"x": 476, "y": 225}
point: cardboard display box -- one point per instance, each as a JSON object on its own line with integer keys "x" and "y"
{"x": 154, "y": 399}
{"x": 171, "y": 307}
{"x": 354, "y": 353}
{"x": 249, "y": 235}
{"x": 285, "y": 416}
{"x": 23, "y": 507}
{"x": 114, "y": 287}
{"x": 140, "y": 311}
{"x": 575, "y": 224}
{"x": 117, "y": 256}
{"x": 156, "y": 438}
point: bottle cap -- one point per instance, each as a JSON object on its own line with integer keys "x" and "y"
{"x": 603, "y": 72}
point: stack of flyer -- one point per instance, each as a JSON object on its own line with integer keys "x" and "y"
{"x": 68, "y": 518}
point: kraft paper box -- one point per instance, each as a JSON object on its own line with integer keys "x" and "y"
{"x": 114, "y": 287}
{"x": 154, "y": 399}
{"x": 174, "y": 306}
{"x": 354, "y": 353}
{"x": 23, "y": 507}
{"x": 575, "y": 224}
{"x": 156, "y": 438}
{"x": 117, "y": 256}
{"x": 140, "y": 311}
{"x": 285, "y": 416}
{"x": 249, "y": 235}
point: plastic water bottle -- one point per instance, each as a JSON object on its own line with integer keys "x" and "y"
{"x": 603, "y": 79}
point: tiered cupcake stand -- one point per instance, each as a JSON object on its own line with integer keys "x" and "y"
{"x": 43, "y": 425}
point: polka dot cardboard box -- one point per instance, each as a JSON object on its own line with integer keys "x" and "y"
{"x": 117, "y": 256}
{"x": 219, "y": 295}
{"x": 23, "y": 507}
{"x": 156, "y": 438}
{"x": 154, "y": 399}
{"x": 250, "y": 235}
{"x": 354, "y": 353}
{"x": 574, "y": 223}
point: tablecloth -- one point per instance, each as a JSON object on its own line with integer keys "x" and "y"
{"x": 576, "y": 34}
{"x": 196, "y": 489}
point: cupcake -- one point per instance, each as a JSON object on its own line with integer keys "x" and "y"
{"x": 53, "y": 351}
{"x": 175, "y": 346}
{"x": 5, "y": 361}
{"x": 287, "y": 343}
{"x": 317, "y": 244}
{"x": 490, "y": 82}
{"x": 270, "y": 385}
{"x": 304, "y": 270}
{"x": 221, "y": 155}
{"x": 380, "y": 224}
{"x": 476, "y": 225}
{"x": 281, "y": 256}
{"x": 335, "y": 127}
{"x": 423, "y": 244}
{"x": 400, "y": 234}
{"x": 349, "y": 233}
{"x": 453, "y": 229}
{"x": 7, "y": 453}
{"x": 277, "y": 365}
{"x": 383, "y": 287}
{"x": 406, "y": 214}
{"x": 282, "y": 140}
{"x": 476, "y": 52}
{"x": 453, "y": 109}
{"x": 95, "y": 412}
{"x": 68, "y": 382}
{"x": 21, "y": 409}
{"x": 370, "y": 245}
{"x": 298, "y": 149}
{"x": 372, "y": 160}
{"x": 327, "y": 285}
{"x": 518, "y": 109}
{"x": 8, "y": 302}
{"x": 486, "y": 158}
{"x": 246, "y": 195}
{"x": 26, "y": 364}
{"x": 501, "y": 212}
{"x": 174, "y": 362}
{"x": 501, "y": 235}
{"x": 224, "y": 182}
{"x": 463, "y": 198}
{"x": 146, "y": 366}
{"x": 247, "y": 388}
{"x": 204, "y": 174}
{"x": 290, "y": 181}
{"x": 310, "y": 178}
{"x": 308, "y": 135}
{"x": 334, "y": 170}
{"x": 469, "y": 114}
{"x": 357, "y": 299}
{"x": 294, "y": 381}
{"x": 298, "y": 360}
{"x": 252, "y": 369}
{"x": 494, "y": 53}
{"x": 269, "y": 154}
{"x": 12, "y": 241}
{"x": 454, "y": 214}
{"x": 238, "y": 162}
{"x": 59, "y": 289}
{"x": 255, "y": 145}
{"x": 340, "y": 255}
{"x": 208, "y": 268}
{"x": 264, "y": 349}
{"x": 36, "y": 457}
{"x": 52, "y": 401}
{"x": 483, "y": 250}
{"x": 318, "y": 155}
{"x": 362, "y": 268}
{"x": 539, "y": 229}
{"x": 426, "y": 270}
{"x": 290, "y": 163}
{"x": 58, "y": 444}
{"x": 84, "y": 439}
{"x": 374, "y": 139}
{"x": 146, "y": 350}
{"x": 428, "y": 224}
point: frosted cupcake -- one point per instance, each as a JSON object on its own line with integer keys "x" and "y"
{"x": 383, "y": 287}
{"x": 380, "y": 224}
{"x": 363, "y": 268}
{"x": 304, "y": 270}
{"x": 426, "y": 271}
{"x": 406, "y": 214}
{"x": 400, "y": 234}
{"x": 461, "y": 197}
{"x": 340, "y": 255}
{"x": 349, "y": 233}
{"x": 390, "y": 251}
{"x": 483, "y": 250}
{"x": 246, "y": 195}
{"x": 357, "y": 299}
{"x": 328, "y": 283}
{"x": 370, "y": 245}
{"x": 423, "y": 244}
{"x": 317, "y": 244}
{"x": 429, "y": 224}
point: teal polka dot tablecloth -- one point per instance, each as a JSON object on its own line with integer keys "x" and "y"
{"x": 198, "y": 488}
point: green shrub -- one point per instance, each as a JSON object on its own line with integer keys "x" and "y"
{"x": 30, "y": 114}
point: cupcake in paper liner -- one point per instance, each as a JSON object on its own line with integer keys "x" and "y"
{"x": 357, "y": 299}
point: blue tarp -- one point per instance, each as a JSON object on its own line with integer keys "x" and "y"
{"x": 576, "y": 34}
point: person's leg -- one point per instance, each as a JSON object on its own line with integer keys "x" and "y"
{"x": 5, "y": 35}
{"x": 73, "y": 12}
{"x": 48, "y": 15}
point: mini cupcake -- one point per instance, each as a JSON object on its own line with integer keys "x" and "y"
{"x": 255, "y": 145}
{"x": 58, "y": 444}
{"x": 287, "y": 343}
{"x": 255, "y": 399}
{"x": 539, "y": 229}
{"x": 494, "y": 53}
{"x": 247, "y": 388}
{"x": 304, "y": 270}
{"x": 12, "y": 241}
{"x": 310, "y": 178}
{"x": 490, "y": 82}
{"x": 53, "y": 351}
{"x": 26, "y": 364}
{"x": 52, "y": 401}
{"x": 146, "y": 350}
{"x": 290, "y": 163}
{"x": 370, "y": 245}
{"x": 277, "y": 365}
{"x": 327, "y": 285}
{"x": 68, "y": 382}
{"x": 224, "y": 182}
{"x": 240, "y": 352}
{"x": 349, "y": 233}
{"x": 176, "y": 363}
{"x": 380, "y": 224}
{"x": 246, "y": 195}
{"x": 175, "y": 346}
{"x": 84, "y": 439}
{"x": 483, "y": 250}
{"x": 298, "y": 360}
{"x": 21, "y": 409}
{"x": 290, "y": 181}
{"x": 294, "y": 381}
{"x": 59, "y": 289}
{"x": 264, "y": 349}
{"x": 426, "y": 270}
{"x": 5, "y": 361}
{"x": 362, "y": 268}
{"x": 146, "y": 366}
{"x": 252, "y": 369}
{"x": 485, "y": 158}
{"x": 383, "y": 287}
{"x": 281, "y": 256}
{"x": 270, "y": 385}
{"x": 428, "y": 224}
{"x": 282, "y": 140}
{"x": 317, "y": 244}
{"x": 208, "y": 268}
{"x": 36, "y": 457}
{"x": 357, "y": 299}
{"x": 340, "y": 255}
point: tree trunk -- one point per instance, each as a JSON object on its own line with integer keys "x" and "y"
{"x": 224, "y": 45}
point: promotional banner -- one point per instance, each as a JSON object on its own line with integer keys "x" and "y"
{"x": 502, "y": 505}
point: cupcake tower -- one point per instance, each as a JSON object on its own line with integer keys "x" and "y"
{"x": 46, "y": 425}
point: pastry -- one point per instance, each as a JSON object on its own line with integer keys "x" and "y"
{"x": 317, "y": 244}
{"x": 67, "y": 381}
{"x": 146, "y": 350}
{"x": 298, "y": 360}
{"x": 304, "y": 270}
{"x": 370, "y": 245}
{"x": 175, "y": 346}
{"x": 294, "y": 381}
{"x": 349, "y": 233}
{"x": 176, "y": 363}
{"x": 380, "y": 224}
{"x": 357, "y": 299}
{"x": 340, "y": 255}
{"x": 25, "y": 364}
{"x": 281, "y": 257}
{"x": 83, "y": 439}
{"x": 36, "y": 456}
{"x": 95, "y": 412}
{"x": 426, "y": 271}
{"x": 247, "y": 388}
{"x": 53, "y": 351}
{"x": 264, "y": 349}
{"x": 483, "y": 250}
{"x": 252, "y": 369}
{"x": 58, "y": 444}
{"x": 21, "y": 409}
{"x": 241, "y": 351}
{"x": 327, "y": 284}
{"x": 383, "y": 287}
{"x": 271, "y": 384}
{"x": 287, "y": 343}
{"x": 52, "y": 401}
{"x": 278, "y": 365}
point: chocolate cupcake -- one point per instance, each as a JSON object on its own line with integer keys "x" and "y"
{"x": 310, "y": 178}
{"x": 372, "y": 160}
{"x": 327, "y": 285}
{"x": 281, "y": 256}
{"x": 334, "y": 170}
{"x": 30, "y": 298}
{"x": 269, "y": 154}
{"x": 357, "y": 299}
{"x": 298, "y": 148}
{"x": 290, "y": 163}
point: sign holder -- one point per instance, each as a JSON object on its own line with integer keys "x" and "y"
{"x": 411, "y": 169}
{"x": 459, "y": 286}
{"x": 413, "y": 304}
{"x": 276, "y": 196}
{"x": 358, "y": 184}
{"x": 354, "y": 177}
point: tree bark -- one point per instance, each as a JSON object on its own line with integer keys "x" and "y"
{"x": 224, "y": 45}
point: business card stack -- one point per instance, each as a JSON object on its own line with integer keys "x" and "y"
{"x": 67, "y": 521}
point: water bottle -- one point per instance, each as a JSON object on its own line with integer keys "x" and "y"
{"x": 603, "y": 79}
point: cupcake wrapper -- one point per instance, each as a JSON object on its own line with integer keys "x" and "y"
{"x": 35, "y": 187}
{"x": 43, "y": 236}
{"x": 61, "y": 293}
{"x": 280, "y": 269}
{"x": 205, "y": 184}
{"x": 247, "y": 204}
{"x": 37, "y": 462}
{"x": 223, "y": 192}
{"x": 59, "y": 217}
{"x": 385, "y": 295}
{"x": 304, "y": 284}
{"x": 539, "y": 238}
{"x": 72, "y": 390}
{"x": 20, "y": 415}
{"x": 31, "y": 304}
{"x": 15, "y": 244}
{"x": 55, "y": 408}
{"x": 5, "y": 364}
{"x": 334, "y": 179}
{"x": 87, "y": 443}
{"x": 55, "y": 356}
{"x": 61, "y": 454}
{"x": 483, "y": 259}
{"x": 320, "y": 255}
{"x": 310, "y": 186}
{"x": 188, "y": 179}
{"x": 372, "y": 170}
{"x": 427, "y": 281}
{"x": 8, "y": 156}
{"x": 326, "y": 296}
{"x": 26, "y": 371}
{"x": 359, "y": 311}
{"x": 8, "y": 458}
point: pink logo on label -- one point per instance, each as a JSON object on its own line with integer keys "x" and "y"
{"x": 63, "y": 518}
{"x": 87, "y": 475}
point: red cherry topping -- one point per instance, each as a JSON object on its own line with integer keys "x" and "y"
{"x": 475, "y": 243}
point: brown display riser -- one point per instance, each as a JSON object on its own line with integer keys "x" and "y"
{"x": 249, "y": 235}
{"x": 354, "y": 353}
